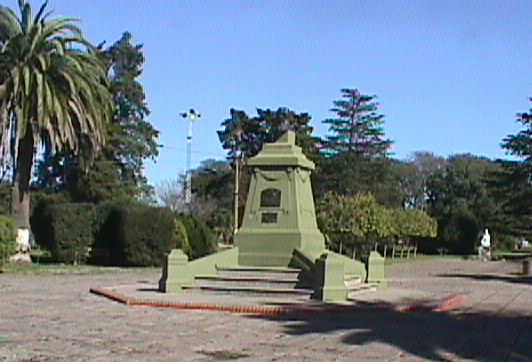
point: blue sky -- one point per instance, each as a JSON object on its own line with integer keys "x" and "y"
{"x": 450, "y": 75}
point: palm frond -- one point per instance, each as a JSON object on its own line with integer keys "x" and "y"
{"x": 52, "y": 83}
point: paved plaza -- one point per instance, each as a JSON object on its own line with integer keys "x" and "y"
{"x": 55, "y": 318}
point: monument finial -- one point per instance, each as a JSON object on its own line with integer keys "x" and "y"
{"x": 288, "y": 137}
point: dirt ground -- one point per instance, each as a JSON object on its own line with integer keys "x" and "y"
{"x": 55, "y": 318}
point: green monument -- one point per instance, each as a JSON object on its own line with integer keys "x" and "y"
{"x": 279, "y": 233}
{"x": 279, "y": 215}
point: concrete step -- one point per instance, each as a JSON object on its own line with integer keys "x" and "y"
{"x": 258, "y": 271}
{"x": 352, "y": 280}
{"x": 353, "y": 291}
{"x": 282, "y": 281}
{"x": 254, "y": 290}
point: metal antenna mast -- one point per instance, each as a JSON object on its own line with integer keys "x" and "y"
{"x": 191, "y": 115}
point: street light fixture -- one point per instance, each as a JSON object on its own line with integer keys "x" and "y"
{"x": 191, "y": 115}
{"x": 238, "y": 155}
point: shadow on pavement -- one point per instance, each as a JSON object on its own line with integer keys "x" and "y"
{"x": 435, "y": 336}
{"x": 515, "y": 278}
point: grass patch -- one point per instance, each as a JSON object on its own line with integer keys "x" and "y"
{"x": 55, "y": 269}
{"x": 512, "y": 255}
{"x": 43, "y": 264}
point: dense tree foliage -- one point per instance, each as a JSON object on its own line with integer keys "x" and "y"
{"x": 514, "y": 184}
{"x": 240, "y": 133}
{"x": 358, "y": 222}
{"x": 117, "y": 174}
{"x": 350, "y": 175}
{"x": 520, "y": 144}
{"x": 459, "y": 197}
{"x": 356, "y": 151}
{"x": 414, "y": 175}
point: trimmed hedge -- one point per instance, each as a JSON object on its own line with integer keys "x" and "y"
{"x": 117, "y": 234}
{"x": 8, "y": 238}
{"x": 144, "y": 235}
{"x": 41, "y": 218}
{"x": 71, "y": 231}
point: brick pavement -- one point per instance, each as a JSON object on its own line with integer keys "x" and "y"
{"x": 55, "y": 318}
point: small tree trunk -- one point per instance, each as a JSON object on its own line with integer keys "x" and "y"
{"x": 20, "y": 203}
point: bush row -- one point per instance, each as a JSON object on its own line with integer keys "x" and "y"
{"x": 124, "y": 235}
{"x": 8, "y": 237}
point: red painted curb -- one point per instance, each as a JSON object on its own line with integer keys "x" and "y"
{"x": 108, "y": 294}
{"x": 450, "y": 303}
{"x": 244, "y": 309}
{"x": 441, "y": 306}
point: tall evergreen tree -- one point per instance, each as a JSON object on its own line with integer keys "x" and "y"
{"x": 118, "y": 171}
{"x": 133, "y": 139}
{"x": 357, "y": 128}
{"x": 518, "y": 199}
{"x": 356, "y": 151}
{"x": 520, "y": 144}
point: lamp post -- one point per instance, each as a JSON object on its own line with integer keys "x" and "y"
{"x": 238, "y": 154}
{"x": 191, "y": 115}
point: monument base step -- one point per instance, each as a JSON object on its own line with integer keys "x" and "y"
{"x": 246, "y": 280}
{"x": 352, "y": 280}
{"x": 267, "y": 280}
{"x": 353, "y": 291}
{"x": 253, "y": 290}
{"x": 258, "y": 272}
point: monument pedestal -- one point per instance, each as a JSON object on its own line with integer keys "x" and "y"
{"x": 279, "y": 233}
{"x": 279, "y": 215}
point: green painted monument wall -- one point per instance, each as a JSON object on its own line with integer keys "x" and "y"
{"x": 279, "y": 215}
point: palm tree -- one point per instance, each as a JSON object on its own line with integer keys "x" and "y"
{"x": 53, "y": 94}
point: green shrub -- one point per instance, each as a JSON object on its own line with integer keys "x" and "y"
{"x": 182, "y": 237}
{"x": 5, "y": 198}
{"x": 143, "y": 235}
{"x": 8, "y": 238}
{"x": 461, "y": 232}
{"x": 201, "y": 239}
{"x": 71, "y": 231}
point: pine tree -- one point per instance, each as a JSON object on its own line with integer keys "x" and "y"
{"x": 356, "y": 151}
{"x": 357, "y": 128}
{"x": 517, "y": 176}
{"x": 520, "y": 144}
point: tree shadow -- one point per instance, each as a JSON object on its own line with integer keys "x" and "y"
{"x": 512, "y": 278}
{"x": 435, "y": 336}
